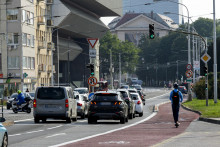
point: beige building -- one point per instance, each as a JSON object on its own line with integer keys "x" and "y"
{"x": 17, "y": 42}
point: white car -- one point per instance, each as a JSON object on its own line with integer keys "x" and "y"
{"x": 82, "y": 90}
{"x": 138, "y": 103}
{"x": 82, "y": 104}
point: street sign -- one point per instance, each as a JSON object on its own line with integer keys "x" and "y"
{"x": 92, "y": 53}
{"x": 92, "y": 81}
{"x": 189, "y": 73}
{"x": 189, "y": 80}
{"x": 188, "y": 67}
{"x": 196, "y": 65}
{"x": 90, "y": 95}
{"x": 205, "y": 58}
{"x": 92, "y": 41}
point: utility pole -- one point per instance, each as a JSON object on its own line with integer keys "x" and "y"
{"x": 193, "y": 58}
{"x": 58, "y": 59}
{"x": 206, "y": 79}
{"x": 119, "y": 69}
{"x": 111, "y": 70}
{"x": 215, "y": 55}
{"x": 68, "y": 62}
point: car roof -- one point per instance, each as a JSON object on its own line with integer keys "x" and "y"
{"x": 109, "y": 91}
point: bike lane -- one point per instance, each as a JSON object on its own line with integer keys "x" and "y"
{"x": 148, "y": 133}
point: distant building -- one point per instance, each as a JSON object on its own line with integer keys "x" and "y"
{"x": 132, "y": 26}
{"x": 138, "y": 6}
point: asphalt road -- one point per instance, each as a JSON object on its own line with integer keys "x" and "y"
{"x": 25, "y": 133}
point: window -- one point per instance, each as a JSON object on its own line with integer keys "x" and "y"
{"x": 28, "y": 17}
{"x": 29, "y": 62}
{"x": 24, "y": 62}
{"x": 32, "y": 63}
{"x": 12, "y": 38}
{"x": 24, "y": 39}
{"x": 32, "y": 40}
{"x": 13, "y": 62}
{"x": 23, "y": 15}
{"x": 31, "y": 18}
{"x": 28, "y": 39}
{"x": 12, "y": 14}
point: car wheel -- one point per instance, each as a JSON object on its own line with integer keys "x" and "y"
{"x": 68, "y": 120}
{"x": 134, "y": 115}
{"x": 8, "y": 107}
{"x": 74, "y": 119}
{"x": 91, "y": 120}
{"x": 122, "y": 120}
{"x": 130, "y": 116}
{"x": 15, "y": 110}
{"x": 5, "y": 140}
{"x": 83, "y": 115}
{"x": 141, "y": 114}
{"x": 36, "y": 120}
{"x": 44, "y": 120}
{"x": 29, "y": 110}
{"x": 126, "y": 120}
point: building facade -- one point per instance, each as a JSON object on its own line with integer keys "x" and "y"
{"x": 138, "y": 6}
{"x": 17, "y": 33}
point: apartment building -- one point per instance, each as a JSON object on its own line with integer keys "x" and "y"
{"x": 43, "y": 45}
{"x": 17, "y": 45}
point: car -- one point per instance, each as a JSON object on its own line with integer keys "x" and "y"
{"x": 82, "y": 90}
{"x": 131, "y": 105}
{"x": 182, "y": 89}
{"x": 32, "y": 95}
{"x": 82, "y": 105}
{"x": 3, "y": 134}
{"x": 107, "y": 105}
{"x": 138, "y": 87}
{"x": 138, "y": 104}
{"x": 54, "y": 102}
{"x": 142, "y": 95}
{"x": 13, "y": 96}
{"x": 124, "y": 86}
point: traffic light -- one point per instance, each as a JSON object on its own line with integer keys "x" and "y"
{"x": 91, "y": 67}
{"x": 151, "y": 31}
{"x": 205, "y": 70}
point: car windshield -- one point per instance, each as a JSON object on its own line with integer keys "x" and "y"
{"x": 81, "y": 91}
{"x": 125, "y": 86}
{"x": 137, "y": 86}
{"x": 51, "y": 93}
{"x": 105, "y": 97}
{"x": 32, "y": 94}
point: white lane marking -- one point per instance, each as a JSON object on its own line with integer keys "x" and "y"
{"x": 23, "y": 120}
{"x": 54, "y": 127}
{"x": 156, "y": 97}
{"x": 56, "y": 135}
{"x": 14, "y": 135}
{"x": 34, "y": 131}
{"x": 92, "y": 136}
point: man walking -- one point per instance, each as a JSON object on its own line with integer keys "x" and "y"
{"x": 176, "y": 97}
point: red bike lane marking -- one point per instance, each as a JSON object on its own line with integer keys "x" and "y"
{"x": 148, "y": 133}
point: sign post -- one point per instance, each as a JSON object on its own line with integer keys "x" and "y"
{"x": 92, "y": 81}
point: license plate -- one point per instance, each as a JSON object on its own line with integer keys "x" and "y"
{"x": 50, "y": 106}
{"x": 105, "y": 103}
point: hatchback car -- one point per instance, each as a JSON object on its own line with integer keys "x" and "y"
{"x": 108, "y": 105}
{"x": 182, "y": 89}
{"x": 131, "y": 105}
{"x": 138, "y": 104}
{"x": 82, "y": 105}
{"x": 54, "y": 102}
{"x": 13, "y": 96}
{"x": 3, "y": 134}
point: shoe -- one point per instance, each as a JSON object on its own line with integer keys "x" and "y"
{"x": 177, "y": 124}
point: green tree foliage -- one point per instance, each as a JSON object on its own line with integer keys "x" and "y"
{"x": 129, "y": 53}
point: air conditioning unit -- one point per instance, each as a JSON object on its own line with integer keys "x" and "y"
{"x": 10, "y": 75}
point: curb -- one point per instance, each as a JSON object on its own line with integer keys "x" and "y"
{"x": 8, "y": 123}
{"x": 209, "y": 120}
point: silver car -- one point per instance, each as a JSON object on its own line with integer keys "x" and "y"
{"x": 3, "y": 134}
{"x": 82, "y": 105}
{"x": 54, "y": 102}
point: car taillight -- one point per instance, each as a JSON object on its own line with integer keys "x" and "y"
{"x": 79, "y": 104}
{"x": 93, "y": 103}
{"x": 139, "y": 102}
{"x": 66, "y": 103}
{"x": 119, "y": 103}
{"x": 35, "y": 103}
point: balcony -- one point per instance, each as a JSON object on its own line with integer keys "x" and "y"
{"x": 41, "y": 20}
{"x": 49, "y": 68}
{"x": 41, "y": 68}
{"x": 42, "y": 44}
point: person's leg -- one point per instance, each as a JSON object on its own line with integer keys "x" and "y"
{"x": 174, "y": 112}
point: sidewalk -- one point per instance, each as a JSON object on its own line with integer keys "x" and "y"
{"x": 157, "y": 129}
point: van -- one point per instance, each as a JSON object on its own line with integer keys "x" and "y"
{"x": 54, "y": 102}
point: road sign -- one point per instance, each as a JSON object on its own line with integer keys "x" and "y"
{"x": 92, "y": 41}
{"x": 92, "y": 81}
{"x": 188, "y": 67}
{"x": 189, "y": 73}
{"x": 205, "y": 58}
{"x": 189, "y": 80}
{"x": 90, "y": 95}
{"x": 92, "y": 53}
{"x": 196, "y": 65}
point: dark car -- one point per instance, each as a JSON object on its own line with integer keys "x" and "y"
{"x": 13, "y": 96}
{"x": 131, "y": 104}
{"x": 182, "y": 89}
{"x": 107, "y": 105}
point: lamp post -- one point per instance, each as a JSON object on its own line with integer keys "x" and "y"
{"x": 215, "y": 55}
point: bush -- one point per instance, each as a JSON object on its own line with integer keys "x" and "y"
{"x": 199, "y": 89}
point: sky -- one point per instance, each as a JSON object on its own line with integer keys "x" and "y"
{"x": 197, "y": 8}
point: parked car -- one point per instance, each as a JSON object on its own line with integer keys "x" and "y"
{"x": 138, "y": 104}
{"x": 131, "y": 105}
{"x": 82, "y": 105}
{"x": 13, "y": 96}
{"x": 82, "y": 90}
{"x": 54, "y": 102}
{"x": 124, "y": 86}
{"x": 142, "y": 96}
{"x": 182, "y": 89}
{"x": 107, "y": 105}
{"x": 3, "y": 134}
{"x": 138, "y": 87}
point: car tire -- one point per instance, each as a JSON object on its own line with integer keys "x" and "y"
{"x": 36, "y": 120}
{"x": 134, "y": 115}
{"x": 5, "y": 140}
{"x": 68, "y": 120}
{"x": 8, "y": 107}
{"x": 122, "y": 120}
{"x": 15, "y": 110}
{"x": 74, "y": 119}
{"x": 91, "y": 120}
{"x": 131, "y": 116}
{"x": 44, "y": 120}
{"x": 28, "y": 110}
{"x": 83, "y": 115}
{"x": 141, "y": 114}
{"x": 126, "y": 120}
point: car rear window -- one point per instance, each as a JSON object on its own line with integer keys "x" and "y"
{"x": 134, "y": 97}
{"x": 51, "y": 93}
{"x": 105, "y": 97}
{"x": 124, "y": 94}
